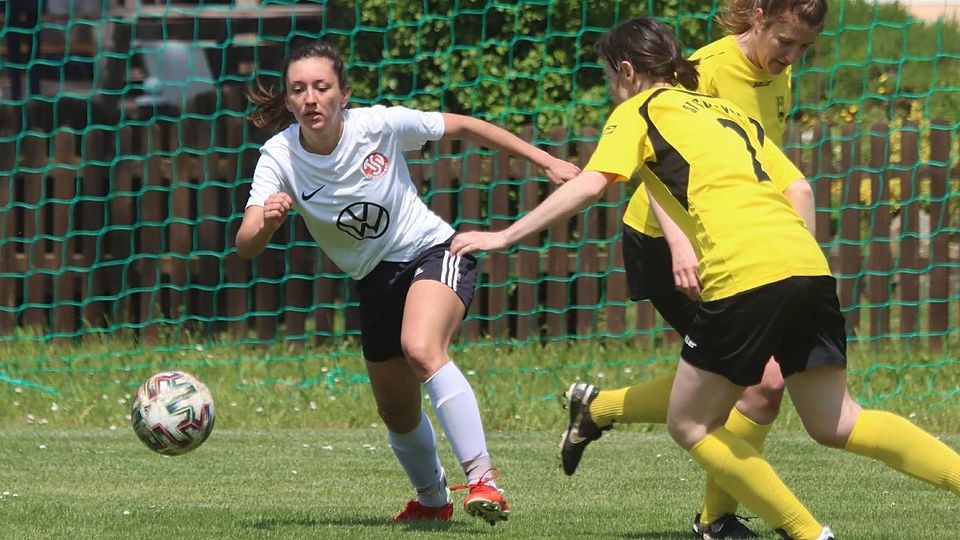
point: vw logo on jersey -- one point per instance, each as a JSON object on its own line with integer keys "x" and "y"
{"x": 364, "y": 220}
{"x": 375, "y": 165}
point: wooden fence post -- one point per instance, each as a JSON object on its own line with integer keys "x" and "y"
{"x": 92, "y": 248}
{"x": 238, "y": 163}
{"x": 588, "y": 262}
{"x": 298, "y": 284}
{"x": 61, "y": 209}
{"x": 528, "y": 258}
{"x": 35, "y": 154}
{"x": 470, "y": 190}
{"x": 820, "y": 169}
{"x": 940, "y": 268}
{"x": 616, "y": 283}
{"x": 154, "y": 200}
{"x": 182, "y": 227}
{"x": 850, "y": 217}
{"x": 8, "y": 228}
{"x": 909, "y": 229}
{"x": 498, "y": 264}
{"x": 558, "y": 255}
{"x": 879, "y": 259}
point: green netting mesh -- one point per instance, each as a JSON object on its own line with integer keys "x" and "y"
{"x": 125, "y": 162}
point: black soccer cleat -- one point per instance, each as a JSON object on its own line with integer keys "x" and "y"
{"x": 728, "y": 526}
{"x": 581, "y": 429}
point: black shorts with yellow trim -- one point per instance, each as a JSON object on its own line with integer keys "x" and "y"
{"x": 649, "y": 269}
{"x": 796, "y": 320}
{"x": 383, "y": 293}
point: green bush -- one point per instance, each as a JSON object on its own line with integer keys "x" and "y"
{"x": 532, "y": 62}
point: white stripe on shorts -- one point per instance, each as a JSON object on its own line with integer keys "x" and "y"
{"x": 456, "y": 273}
{"x": 443, "y": 267}
{"x": 450, "y": 272}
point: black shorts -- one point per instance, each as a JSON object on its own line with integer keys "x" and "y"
{"x": 649, "y": 268}
{"x": 383, "y": 293}
{"x": 797, "y": 321}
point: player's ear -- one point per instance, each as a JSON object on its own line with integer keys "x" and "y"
{"x": 345, "y": 98}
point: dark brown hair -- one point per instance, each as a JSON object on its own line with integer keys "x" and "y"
{"x": 738, "y": 17}
{"x": 652, "y": 48}
{"x": 271, "y": 110}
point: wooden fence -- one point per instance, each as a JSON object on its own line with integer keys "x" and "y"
{"x": 131, "y": 229}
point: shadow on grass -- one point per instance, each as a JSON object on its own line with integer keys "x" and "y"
{"x": 271, "y": 524}
{"x": 658, "y": 535}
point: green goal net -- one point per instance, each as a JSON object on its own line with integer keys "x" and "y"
{"x": 125, "y": 163}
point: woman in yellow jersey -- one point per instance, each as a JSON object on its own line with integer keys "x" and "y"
{"x": 766, "y": 286}
{"x": 752, "y": 68}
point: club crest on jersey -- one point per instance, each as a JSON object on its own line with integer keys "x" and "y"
{"x": 364, "y": 220}
{"x": 374, "y": 165}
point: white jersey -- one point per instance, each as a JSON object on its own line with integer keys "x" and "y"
{"x": 358, "y": 202}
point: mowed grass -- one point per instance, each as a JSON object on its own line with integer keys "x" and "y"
{"x": 519, "y": 386}
{"x": 299, "y": 452}
{"x": 345, "y": 483}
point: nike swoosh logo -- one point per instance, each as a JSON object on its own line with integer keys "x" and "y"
{"x": 307, "y": 197}
{"x": 574, "y": 437}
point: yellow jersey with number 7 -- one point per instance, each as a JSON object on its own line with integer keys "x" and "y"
{"x": 727, "y": 73}
{"x": 715, "y": 173}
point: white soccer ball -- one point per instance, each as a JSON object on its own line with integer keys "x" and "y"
{"x": 172, "y": 413}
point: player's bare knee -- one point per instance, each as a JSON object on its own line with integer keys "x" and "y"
{"x": 761, "y": 404}
{"x": 827, "y": 435}
{"x": 421, "y": 354}
{"x": 686, "y": 433}
{"x": 398, "y": 420}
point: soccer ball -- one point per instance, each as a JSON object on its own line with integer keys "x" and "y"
{"x": 172, "y": 413}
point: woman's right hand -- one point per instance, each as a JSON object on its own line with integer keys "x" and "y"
{"x": 686, "y": 268}
{"x": 559, "y": 171}
{"x": 275, "y": 209}
{"x": 466, "y": 243}
{"x": 259, "y": 224}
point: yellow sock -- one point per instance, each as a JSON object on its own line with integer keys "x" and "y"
{"x": 644, "y": 403}
{"x": 717, "y": 502}
{"x": 740, "y": 470}
{"x": 903, "y": 446}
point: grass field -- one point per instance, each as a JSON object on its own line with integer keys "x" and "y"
{"x": 519, "y": 387}
{"x": 345, "y": 484}
{"x": 298, "y": 451}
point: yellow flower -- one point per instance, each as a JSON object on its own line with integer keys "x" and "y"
{"x": 882, "y": 78}
{"x": 881, "y": 90}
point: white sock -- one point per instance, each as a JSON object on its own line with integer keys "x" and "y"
{"x": 456, "y": 408}
{"x": 417, "y": 453}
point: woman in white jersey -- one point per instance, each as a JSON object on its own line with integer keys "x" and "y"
{"x": 344, "y": 172}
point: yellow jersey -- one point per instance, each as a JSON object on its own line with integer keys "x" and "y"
{"x": 727, "y": 73}
{"x": 716, "y": 174}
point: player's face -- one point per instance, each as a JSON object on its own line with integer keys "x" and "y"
{"x": 314, "y": 95}
{"x": 780, "y": 44}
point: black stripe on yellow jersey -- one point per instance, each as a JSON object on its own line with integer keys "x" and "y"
{"x": 716, "y": 175}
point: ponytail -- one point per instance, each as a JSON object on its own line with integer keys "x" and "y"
{"x": 686, "y": 74}
{"x": 271, "y": 110}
